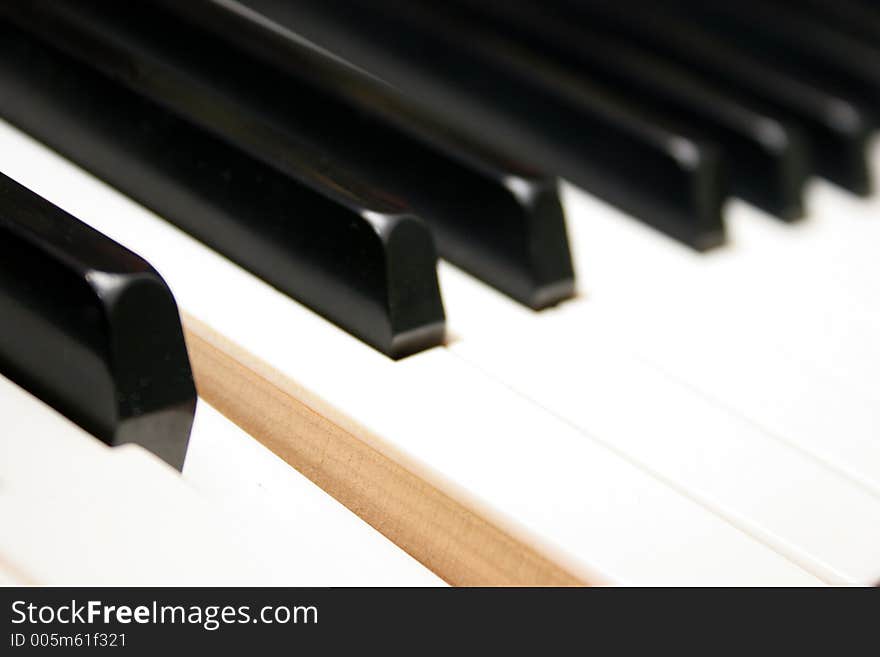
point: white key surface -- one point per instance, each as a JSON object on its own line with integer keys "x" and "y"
{"x": 811, "y": 513}
{"x": 707, "y": 320}
{"x": 803, "y": 373}
{"x": 305, "y": 536}
{"x": 76, "y": 512}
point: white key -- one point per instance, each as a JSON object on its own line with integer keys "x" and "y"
{"x": 305, "y": 536}
{"x": 542, "y": 481}
{"x": 787, "y": 397}
{"x": 574, "y": 365}
{"x": 810, "y": 513}
{"x": 124, "y": 517}
{"x": 720, "y": 346}
{"x": 74, "y": 511}
{"x": 805, "y": 292}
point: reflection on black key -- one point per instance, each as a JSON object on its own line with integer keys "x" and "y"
{"x": 838, "y": 126}
{"x": 766, "y": 156}
{"x": 507, "y": 229}
{"x": 91, "y": 329}
{"x": 360, "y": 261}
{"x": 525, "y": 105}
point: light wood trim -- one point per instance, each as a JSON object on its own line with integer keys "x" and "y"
{"x": 453, "y": 540}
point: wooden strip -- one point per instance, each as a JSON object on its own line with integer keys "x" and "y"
{"x": 456, "y": 543}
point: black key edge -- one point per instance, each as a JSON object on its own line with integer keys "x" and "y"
{"x": 91, "y": 329}
{"x": 342, "y": 260}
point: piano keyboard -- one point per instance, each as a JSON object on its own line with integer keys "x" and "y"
{"x": 698, "y": 408}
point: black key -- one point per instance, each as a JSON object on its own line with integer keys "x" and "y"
{"x": 491, "y": 216}
{"x": 839, "y": 126}
{"x": 856, "y": 18}
{"x": 766, "y": 156}
{"x": 791, "y": 39}
{"x": 507, "y": 230}
{"x": 361, "y": 261}
{"x": 91, "y": 329}
{"x": 525, "y": 105}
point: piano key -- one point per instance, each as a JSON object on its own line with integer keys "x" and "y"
{"x": 791, "y": 39}
{"x": 363, "y": 262}
{"x": 153, "y": 528}
{"x": 821, "y": 306}
{"x": 446, "y": 484}
{"x": 812, "y": 514}
{"x": 303, "y": 534}
{"x": 91, "y": 328}
{"x": 525, "y": 105}
{"x": 796, "y": 373}
{"x": 510, "y": 232}
{"x": 838, "y": 125}
{"x": 62, "y": 487}
{"x": 766, "y": 155}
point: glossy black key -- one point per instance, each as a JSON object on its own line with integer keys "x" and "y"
{"x": 91, "y": 329}
{"x": 361, "y": 261}
{"x": 838, "y": 126}
{"x": 524, "y": 105}
{"x": 491, "y": 216}
{"x": 766, "y": 156}
{"x": 792, "y": 39}
{"x": 506, "y": 228}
